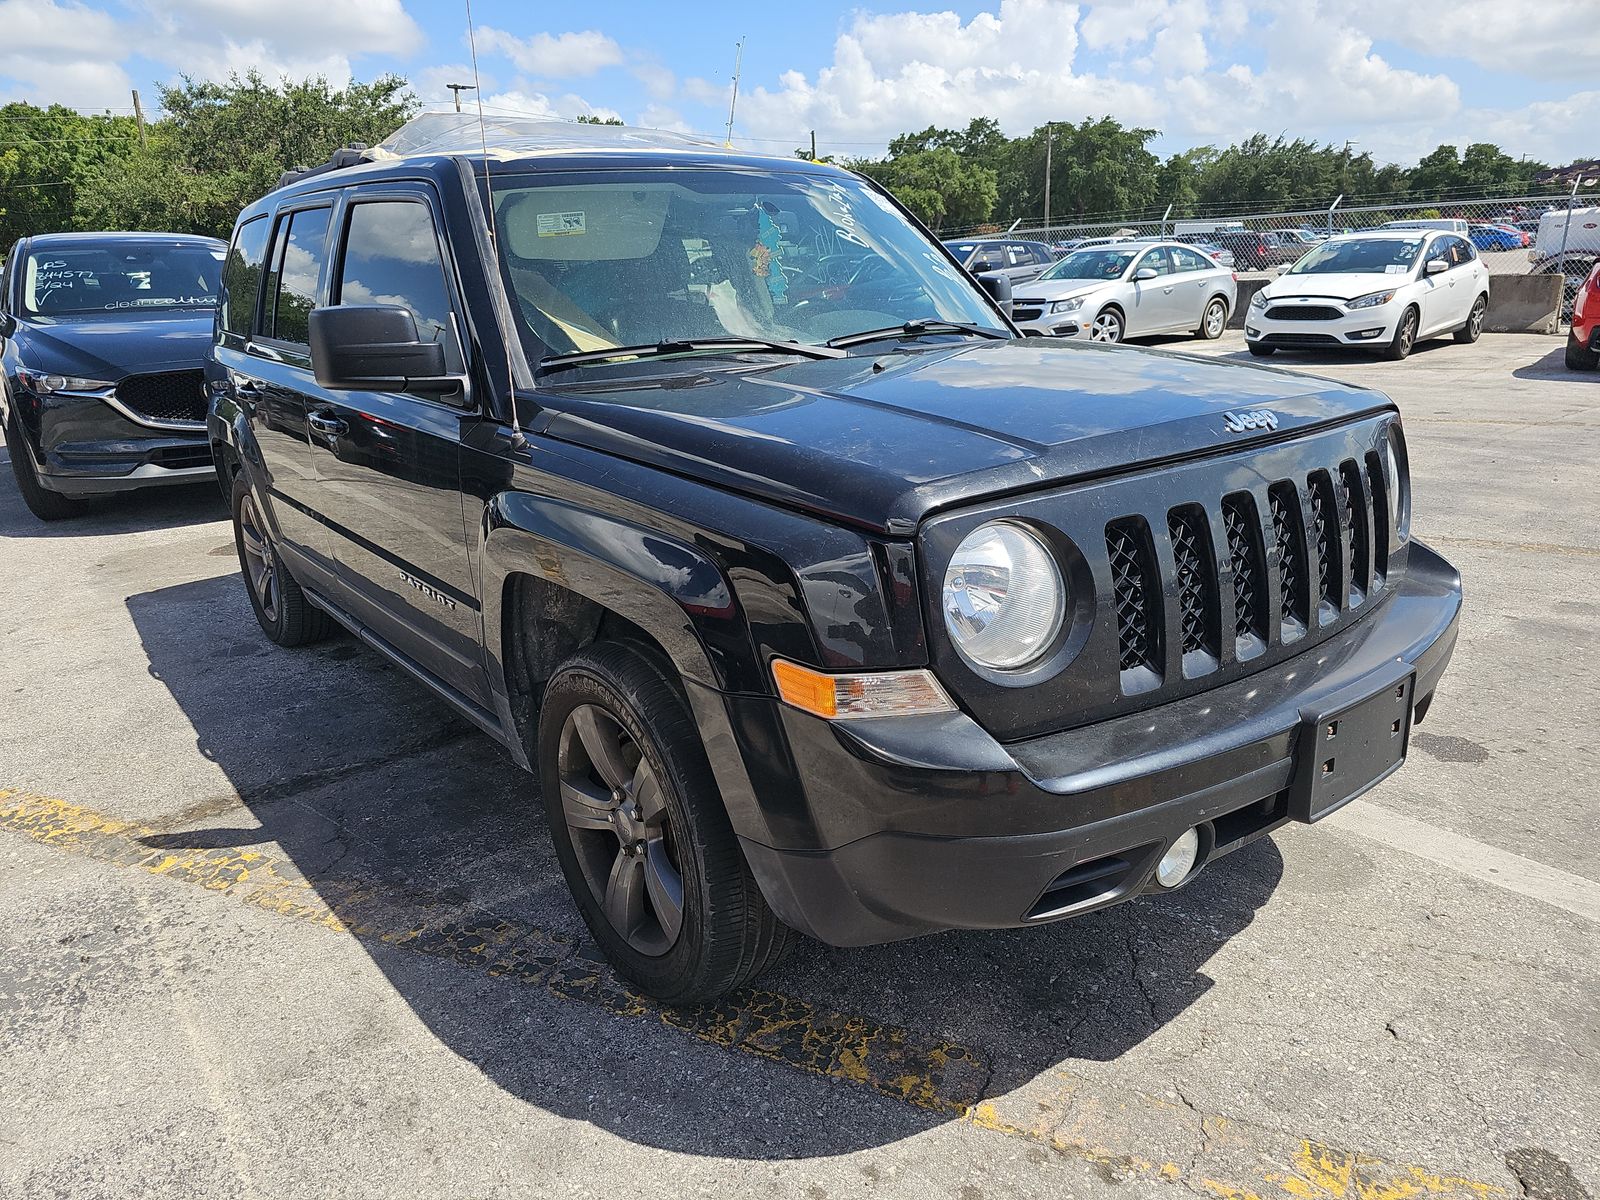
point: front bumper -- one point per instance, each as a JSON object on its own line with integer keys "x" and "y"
{"x": 85, "y": 445}
{"x": 1372, "y": 327}
{"x": 925, "y": 824}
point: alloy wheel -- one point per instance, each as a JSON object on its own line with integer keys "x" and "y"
{"x": 260, "y": 562}
{"x": 1107, "y": 327}
{"x": 615, "y": 809}
{"x": 1216, "y": 317}
{"x": 1408, "y": 332}
{"x": 1476, "y": 319}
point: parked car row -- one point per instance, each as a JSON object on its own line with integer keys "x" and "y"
{"x": 808, "y": 594}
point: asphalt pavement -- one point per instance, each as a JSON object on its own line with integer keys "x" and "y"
{"x": 276, "y": 923}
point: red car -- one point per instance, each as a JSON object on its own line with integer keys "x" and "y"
{"x": 1583, "y": 343}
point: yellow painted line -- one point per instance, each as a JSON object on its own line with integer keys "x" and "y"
{"x": 1107, "y": 1128}
{"x": 925, "y": 1072}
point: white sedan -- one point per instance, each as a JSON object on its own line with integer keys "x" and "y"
{"x": 1127, "y": 290}
{"x": 1385, "y": 290}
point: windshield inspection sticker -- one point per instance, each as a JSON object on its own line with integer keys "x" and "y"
{"x": 565, "y": 224}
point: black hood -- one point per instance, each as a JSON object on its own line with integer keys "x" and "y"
{"x": 112, "y": 346}
{"x": 883, "y": 442}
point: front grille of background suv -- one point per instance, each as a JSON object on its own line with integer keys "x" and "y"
{"x": 1189, "y": 575}
{"x": 165, "y": 395}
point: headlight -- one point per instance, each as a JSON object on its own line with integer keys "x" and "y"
{"x": 1259, "y": 300}
{"x": 43, "y": 384}
{"x": 1373, "y": 300}
{"x": 1003, "y": 597}
{"x": 1066, "y": 306}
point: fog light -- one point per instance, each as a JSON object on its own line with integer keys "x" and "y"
{"x": 1367, "y": 333}
{"x": 1178, "y": 861}
{"x": 1251, "y": 331}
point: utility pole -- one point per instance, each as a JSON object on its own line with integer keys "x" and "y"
{"x": 1049, "y": 139}
{"x": 458, "y": 88}
{"x": 733, "y": 100}
{"x": 138, "y": 115}
{"x": 813, "y": 145}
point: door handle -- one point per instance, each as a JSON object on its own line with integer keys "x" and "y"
{"x": 327, "y": 423}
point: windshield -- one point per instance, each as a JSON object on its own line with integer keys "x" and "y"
{"x": 78, "y": 279}
{"x": 1094, "y": 264}
{"x": 599, "y": 260}
{"x": 1383, "y": 256}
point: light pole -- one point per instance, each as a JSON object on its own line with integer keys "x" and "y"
{"x": 458, "y": 88}
{"x": 1049, "y": 140}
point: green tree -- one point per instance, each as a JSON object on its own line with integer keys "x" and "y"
{"x": 220, "y": 146}
{"x": 937, "y": 185}
{"x": 46, "y": 155}
{"x": 1096, "y": 167}
{"x": 590, "y": 119}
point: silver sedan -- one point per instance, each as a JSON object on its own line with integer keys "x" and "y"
{"x": 1128, "y": 290}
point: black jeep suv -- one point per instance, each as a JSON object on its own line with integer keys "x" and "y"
{"x": 858, "y": 616}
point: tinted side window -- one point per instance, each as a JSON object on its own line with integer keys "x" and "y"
{"x": 298, "y": 257}
{"x": 1156, "y": 260}
{"x": 241, "y": 276}
{"x": 391, "y": 256}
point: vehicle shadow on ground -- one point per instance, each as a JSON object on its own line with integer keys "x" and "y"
{"x": 349, "y": 770}
{"x": 1552, "y": 366}
{"x": 170, "y": 507}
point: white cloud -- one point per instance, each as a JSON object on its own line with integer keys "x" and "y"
{"x": 429, "y": 83}
{"x": 1541, "y": 40}
{"x": 897, "y": 71}
{"x": 1169, "y": 64}
{"x": 526, "y": 103}
{"x": 657, "y": 79}
{"x": 63, "y": 54}
{"x": 554, "y": 56}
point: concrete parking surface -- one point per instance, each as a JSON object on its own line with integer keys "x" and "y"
{"x": 276, "y": 923}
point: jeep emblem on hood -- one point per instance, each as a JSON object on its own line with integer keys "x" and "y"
{"x": 1256, "y": 418}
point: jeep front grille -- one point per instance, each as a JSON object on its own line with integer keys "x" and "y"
{"x": 165, "y": 395}
{"x": 1246, "y": 559}
{"x": 1128, "y": 548}
{"x": 1322, "y": 532}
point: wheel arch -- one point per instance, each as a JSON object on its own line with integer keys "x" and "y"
{"x": 557, "y": 577}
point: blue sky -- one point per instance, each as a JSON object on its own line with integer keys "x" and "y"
{"x": 1397, "y": 79}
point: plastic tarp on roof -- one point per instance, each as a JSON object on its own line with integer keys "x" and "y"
{"x": 459, "y": 133}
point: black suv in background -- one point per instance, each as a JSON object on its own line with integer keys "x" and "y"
{"x": 813, "y": 608}
{"x": 103, "y": 339}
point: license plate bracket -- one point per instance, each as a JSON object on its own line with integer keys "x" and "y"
{"x": 1349, "y": 746}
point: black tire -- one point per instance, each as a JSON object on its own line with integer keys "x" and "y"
{"x": 41, "y": 501}
{"x": 1405, "y": 336}
{"x": 1473, "y": 329}
{"x": 1261, "y": 349}
{"x": 1581, "y": 357}
{"x": 1214, "y": 321}
{"x": 657, "y": 825}
{"x": 285, "y": 613}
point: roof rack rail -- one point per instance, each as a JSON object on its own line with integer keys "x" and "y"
{"x": 345, "y": 156}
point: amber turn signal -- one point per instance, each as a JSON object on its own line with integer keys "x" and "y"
{"x": 864, "y": 694}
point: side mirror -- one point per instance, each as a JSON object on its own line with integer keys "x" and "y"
{"x": 1145, "y": 273}
{"x": 8, "y": 325}
{"x": 374, "y": 348}
{"x": 1436, "y": 266}
{"x": 999, "y": 289}
{"x": 982, "y": 265}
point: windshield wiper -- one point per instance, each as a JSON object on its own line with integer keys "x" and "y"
{"x": 560, "y": 362}
{"x": 912, "y": 329}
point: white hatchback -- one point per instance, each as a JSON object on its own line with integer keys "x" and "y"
{"x": 1385, "y": 290}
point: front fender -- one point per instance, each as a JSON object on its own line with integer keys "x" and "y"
{"x": 671, "y": 590}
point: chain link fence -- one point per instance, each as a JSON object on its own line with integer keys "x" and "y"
{"x": 1514, "y": 235}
